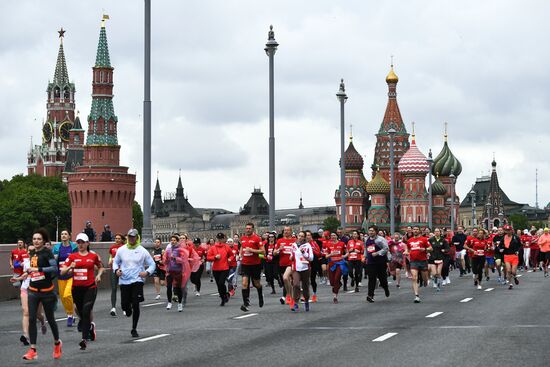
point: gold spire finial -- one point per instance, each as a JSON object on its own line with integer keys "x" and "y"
{"x": 392, "y": 77}
{"x": 413, "y": 135}
{"x": 103, "y": 19}
{"x": 350, "y": 132}
{"x": 445, "y": 135}
{"x": 391, "y": 57}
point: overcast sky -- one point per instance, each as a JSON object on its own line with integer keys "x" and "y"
{"x": 480, "y": 65}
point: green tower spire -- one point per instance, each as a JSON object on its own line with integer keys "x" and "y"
{"x": 102, "y": 58}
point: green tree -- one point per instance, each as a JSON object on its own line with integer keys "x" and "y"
{"x": 31, "y": 202}
{"x": 137, "y": 216}
{"x": 331, "y": 224}
{"x": 519, "y": 221}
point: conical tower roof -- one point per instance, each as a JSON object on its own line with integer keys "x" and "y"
{"x": 414, "y": 161}
{"x": 102, "y": 57}
{"x": 61, "y": 74}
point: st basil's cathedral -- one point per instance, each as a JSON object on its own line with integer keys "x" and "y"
{"x": 367, "y": 202}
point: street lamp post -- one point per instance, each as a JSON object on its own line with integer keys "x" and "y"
{"x": 57, "y": 228}
{"x": 489, "y": 219}
{"x": 473, "y": 199}
{"x": 452, "y": 177}
{"x": 392, "y": 132}
{"x": 270, "y": 49}
{"x": 147, "y": 233}
{"x": 430, "y": 201}
{"x": 342, "y": 97}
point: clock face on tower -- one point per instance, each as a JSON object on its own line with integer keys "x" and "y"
{"x": 64, "y": 129}
{"x": 47, "y": 132}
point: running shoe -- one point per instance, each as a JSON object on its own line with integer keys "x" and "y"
{"x": 169, "y": 306}
{"x": 197, "y": 294}
{"x": 232, "y": 292}
{"x": 314, "y": 298}
{"x": 282, "y": 300}
{"x": 398, "y": 286}
{"x": 260, "y": 300}
{"x": 510, "y": 287}
{"x": 244, "y": 308}
{"x": 70, "y": 321}
{"x": 306, "y": 306}
{"x": 370, "y": 299}
{"x": 487, "y": 279}
{"x": 134, "y": 333}
{"x": 57, "y": 350}
{"x": 387, "y": 291}
{"x": 31, "y": 354}
{"x": 92, "y": 331}
{"x": 479, "y": 286}
{"x": 23, "y": 339}
{"x": 157, "y": 297}
{"x": 288, "y": 300}
{"x": 180, "y": 307}
{"x": 356, "y": 289}
{"x": 516, "y": 280}
{"x": 360, "y": 285}
{"x": 82, "y": 344}
{"x": 291, "y": 303}
{"x": 294, "y": 308}
{"x": 113, "y": 312}
{"x": 416, "y": 299}
{"x": 335, "y": 300}
{"x": 43, "y": 328}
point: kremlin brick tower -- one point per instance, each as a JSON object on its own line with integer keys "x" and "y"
{"x": 100, "y": 189}
{"x": 50, "y": 157}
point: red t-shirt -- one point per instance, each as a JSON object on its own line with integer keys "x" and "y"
{"x": 526, "y": 240}
{"x": 534, "y": 243}
{"x": 489, "y": 247}
{"x": 83, "y": 272}
{"x": 269, "y": 248}
{"x": 284, "y": 245}
{"x": 18, "y": 255}
{"x": 113, "y": 249}
{"x": 202, "y": 250}
{"x": 254, "y": 242}
{"x": 315, "y": 248}
{"x": 225, "y": 253}
{"x": 338, "y": 247}
{"x": 233, "y": 259}
{"x": 358, "y": 247}
{"x": 414, "y": 244}
{"x": 478, "y": 246}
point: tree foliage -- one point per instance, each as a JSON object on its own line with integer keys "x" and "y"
{"x": 137, "y": 216}
{"x": 331, "y": 224}
{"x": 519, "y": 221}
{"x": 31, "y": 202}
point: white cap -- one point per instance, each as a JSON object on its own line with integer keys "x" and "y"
{"x": 82, "y": 237}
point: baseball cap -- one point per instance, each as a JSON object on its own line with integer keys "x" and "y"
{"x": 220, "y": 236}
{"x": 197, "y": 240}
{"x": 507, "y": 227}
{"x": 133, "y": 232}
{"x": 82, "y": 237}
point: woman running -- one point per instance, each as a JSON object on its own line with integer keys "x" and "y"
{"x": 159, "y": 275}
{"x": 499, "y": 257}
{"x": 510, "y": 247}
{"x": 397, "y": 249}
{"x": 270, "y": 267}
{"x": 302, "y": 255}
{"x": 219, "y": 256}
{"x": 24, "y": 279}
{"x": 174, "y": 263}
{"x": 43, "y": 268}
{"x": 201, "y": 250}
{"x": 336, "y": 257}
{"x": 315, "y": 264}
{"x": 61, "y": 252}
{"x": 233, "y": 266}
{"x": 355, "y": 249}
{"x": 476, "y": 248}
{"x": 82, "y": 265}
{"x": 544, "y": 244}
{"x": 119, "y": 242}
{"x": 440, "y": 247}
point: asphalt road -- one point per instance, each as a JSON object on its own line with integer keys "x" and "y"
{"x": 497, "y": 327}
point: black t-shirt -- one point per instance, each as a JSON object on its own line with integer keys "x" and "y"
{"x": 458, "y": 240}
{"x": 47, "y": 268}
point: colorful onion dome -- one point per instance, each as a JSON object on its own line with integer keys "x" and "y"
{"x": 378, "y": 185}
{"x": 446, "y": 163}
{"x": 352, "y": 158}
{"x": 413, "y": 161}
{"x": 438, "y": 188}
{"x": 392, "y": 77}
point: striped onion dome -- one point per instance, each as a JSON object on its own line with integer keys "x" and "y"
{"x": 446, "y": 163}
{"x": 438, "y": 188}
{"x": 414, "y": 161}
{"x": 378, "y": 185}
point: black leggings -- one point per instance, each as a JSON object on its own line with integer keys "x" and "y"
{"x": 130, "y": 297}
{"x": 114, "y": 288}
{"x": 315, "y": 269}
{"x": 356, "y": 270}
{"x": 446, "y": 265}
{"x": 196, "y": 278}
{"x": 49, "y": 302}
{"x": 270, "y": 273}
{"x": 84, "y": 299}
{"x": 477, "y": 266}
{"x": 221, "y": 276}
{"x": 377, "y": 271}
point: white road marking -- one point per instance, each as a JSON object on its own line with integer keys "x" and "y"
{"x": 245, "y": 316}
{"x": 350, "y": 292}
{"x": 519, "y": 276}
{"x": 435, "y": 314}
{"x": 466, "y": 300}
{"x": 153, "y": 304}
{"x": 215, "y": 294}
{"x": 384, "y": 337}
{"x": 61, "y": 319}
{"x": 150, "y": 338}
{"x": 489, "y": 289}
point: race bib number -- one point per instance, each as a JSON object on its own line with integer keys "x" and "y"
{"x": 37, "y": 275}
{"x": 287, "y": 250}
{"x": 80, "y": 274}
{"x": 371, "y": 249}
{"x": 353, "y": 256}
{"x": 480, "y": 252}
{"x": 337, "y": 252}
{"x": 438, "y": 261}
{"x": 157, "y": 258}
{"x": 415, "y": 247}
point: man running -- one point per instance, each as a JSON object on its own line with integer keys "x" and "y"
{"x": 283, "y": 249}
{"x": 417, "y": 248}
{"x": 476, "y": 248}
{"x": 251, "y": 265}
{"x": 458, "y": 241}
{"x": 376, "y": 249}
{"x": 510, "y": 247}
{"x": 132, "y": 264}
{"x": 336, "y": 257}
{"x": 159, "y": 275}
{"x": 301, "y": 257}
{"x": 355, "y": 248}
{"x": 544, "y": 244}
{"x": 440, "y": 247}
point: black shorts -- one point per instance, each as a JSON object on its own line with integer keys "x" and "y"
{"x": 545, "y": 256}
{"x": 130, "y": 293}
{"x": 159, "y": 273}
{"x": 251, "y": 271}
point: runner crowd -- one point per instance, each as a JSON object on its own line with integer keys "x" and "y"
{"x": 296, "y": 263}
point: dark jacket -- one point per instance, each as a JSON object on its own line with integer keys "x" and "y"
{"x": 513, "y": 249}
{"x": 440, "y": 248}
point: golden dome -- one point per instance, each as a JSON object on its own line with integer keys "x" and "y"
{"x": 378, "y": 185}
{"x": 392, "y": 77}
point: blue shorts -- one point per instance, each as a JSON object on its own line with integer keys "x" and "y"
{"x": 490, "y": 260}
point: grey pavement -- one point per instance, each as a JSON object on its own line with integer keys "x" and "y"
{"x": 498, "y": 327}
